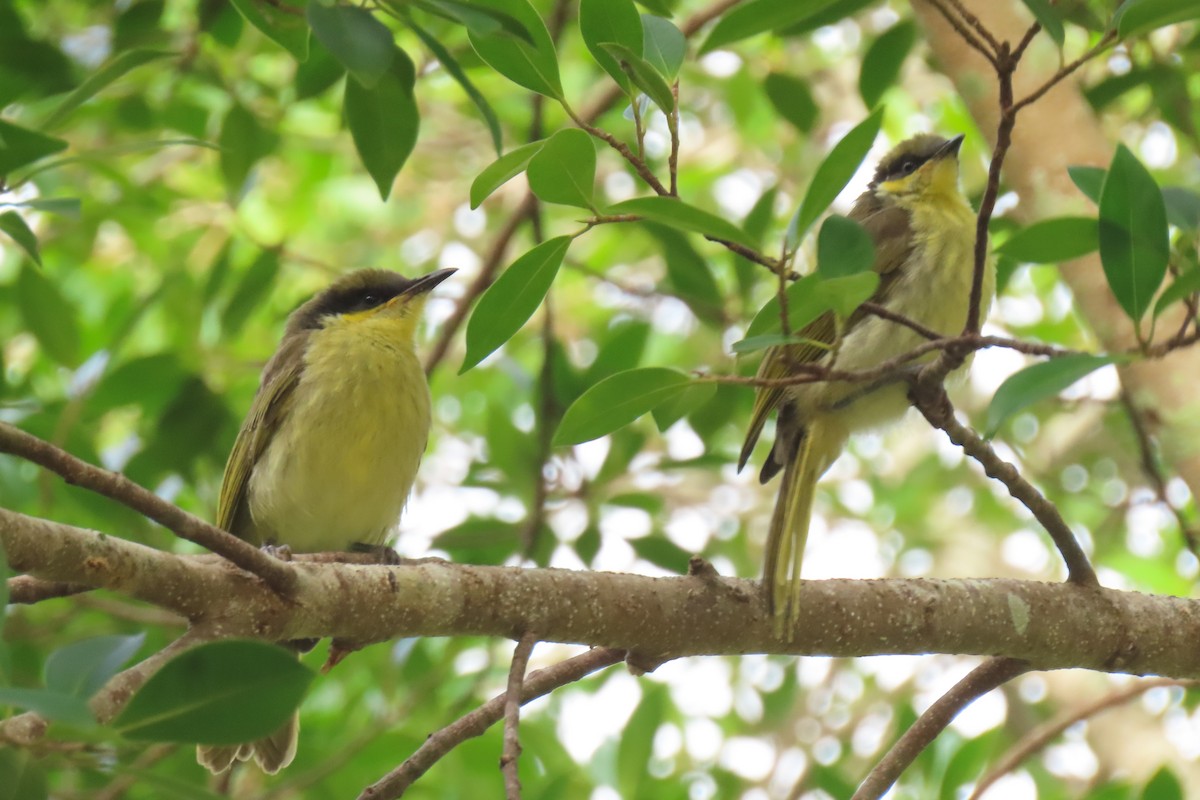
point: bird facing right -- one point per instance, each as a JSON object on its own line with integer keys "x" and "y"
{"x": 923, "y": 230}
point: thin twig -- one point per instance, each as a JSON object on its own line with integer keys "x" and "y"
{"x": 936, "y": 408}
{"x": 1150, "y": 466}
{"x": 1045, "y": 733}
{"x": 673, "y": 128}
{"x": 27, "y": 590}
{"x": 538, "y": 683}
{"x": 883, "y": 312}
{"x": 510, "y": 759}
{"x": 976, "y": 25}
{"x": 639, "y": 166}
{"x": 279, "y": 575}
{"x": 1105, "y": 42}
{"x": 987, "y": 676}
{"x": 963, "y": 31}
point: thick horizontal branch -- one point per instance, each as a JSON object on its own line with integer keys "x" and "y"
{"x": 1051, "y": 626}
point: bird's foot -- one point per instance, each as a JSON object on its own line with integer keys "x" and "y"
{"x": 280, "y": 551}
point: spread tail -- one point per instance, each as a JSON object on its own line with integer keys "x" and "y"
{"x": 272, "y": 753}
{"x": 788, "y": 534}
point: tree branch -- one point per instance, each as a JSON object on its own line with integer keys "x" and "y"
{"x": 513, "y": 698}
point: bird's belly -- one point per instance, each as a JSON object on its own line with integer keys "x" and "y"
{"x": 341, "y": 472}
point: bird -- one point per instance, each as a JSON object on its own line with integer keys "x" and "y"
{"x": 923, "y": 230}
{"x": 327, "y": 455}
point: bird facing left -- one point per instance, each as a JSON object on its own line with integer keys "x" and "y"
{"x": 329, "y": 450}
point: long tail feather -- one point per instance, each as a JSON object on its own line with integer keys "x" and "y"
{"x": 272, "y": 753}
{"x": 788, "y": 534}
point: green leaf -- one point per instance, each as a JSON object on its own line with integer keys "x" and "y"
{"x": 81, "y": 668}
{"x": 532, "y": 65}
{"x": 1134, "y": 244}
{"x": 664, "y": 45}
{"x": 477, "y": 18}
{"x": 610, "y": 21}
{"x": 289, "y": 31}
{"x": 637, "y": 741}
{"x": 1048, "y": 16}
{"x": 219, "y": 693}
{"x": 843, "y": 248}
{"x": 792, "y": 100}
{"x": 20, "y": 146}
{"x": 1136, "y": 17}
{"x": 110, "y": 72}
{"x": 564, "y": 170}
{"x": 1051, "y": 241}
{"x": 256, "y": 282}
{"x": 760, "y": 16}
{"x": 1037, "y": 382}
{"x": 689, "y": 272}
{"x": 621, "y": 349}
{"x": 19, "y": 231}
{"x": 243, "y": 142}
{"x": 316, "y": 75}
{"x": 1183, "y": 207}
{"x": 644, "y": 76}
{"x": 882, "y": 62}
{"x": 834, "y": 173}
{"x": 617, "y": 401}
{"x": 23, "y": 776}
{"x": 1185, "y": 285}
{"x": 455, "y": 70}
{"x": 65, "y": 206}
{"x": 804, "y": 303}
{"x": 51, "y": 705}
{"x": 1163, "y": 786}
{"x": 384, "y": 120}
{"x": 676, "y": 408}
{"x": 363, "y": 44}
{"x": 678, "y": 214}
{"x": 511, "y": 300}
{"x": 502, "y": 170}
{"x": 1089, "y": 180}
{"x": 844, "y": 295}
{"x": 49, "y": 317}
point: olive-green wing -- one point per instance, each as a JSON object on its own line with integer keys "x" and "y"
{"x": 890, "y": 231}
{"x": 271, "y": 403}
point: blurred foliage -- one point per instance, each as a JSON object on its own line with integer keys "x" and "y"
{"x": 178, "y": 176}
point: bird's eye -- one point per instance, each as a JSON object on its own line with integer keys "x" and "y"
{"x": 907, "y": 166}
{"x": 368, "y": 300}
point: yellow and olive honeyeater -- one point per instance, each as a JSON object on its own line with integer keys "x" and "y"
{"x": 923, "y": 230}
{"x": 326, "y": 456}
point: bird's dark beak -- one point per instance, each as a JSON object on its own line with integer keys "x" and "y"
{"x": 425, "y": 283}
{"x": 950, "y": 148}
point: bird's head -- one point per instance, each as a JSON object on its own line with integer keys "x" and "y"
{"x": 366, "y": 295}
{"x": 923, "y": 166}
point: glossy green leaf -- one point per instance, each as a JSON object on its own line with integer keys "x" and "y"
{"x": 532, "y": 65}
{"x": 502, "y": 170}
{"x": 243, "y": 142}
{"x": 318, "y": 74}
{"x": 55, "y": 706}
{"x": 1163, "y": 786}
{"x": 1048, "y": 16}
{"x": 1134, "y": 244}
{"x": 882, "y": 62}
{"x": 843, "y": 295}
{"x": 843, "y": 248}
{"x": 384, "y": 120}
{"x": 1089, "y": 180}
{"x": 109, "y": 72}
{"x": 564, "y": 169}
{"x": 81, "y": 668}
{"x": 1183, "y": 207}
{"x": 478, "y": 18}
{"x": 1136, "y": 17}
{"x": 1046, "y": 379}
{"x": 218, "y": 693}
{"x": 362, "y": 44}
{"x": 664, "y": 45}
{"x": 833, "y": 174}
{"x": 689, "y": 272}
{"x": 759, "y": 16}
{"x": 19, "y": 231}
{"x": 610, "y": 22}
{"x": 511, "y": 300}
{"x": 644, "y": 76}
{"x": 1185, "y": 285}
{"x": 804, "y": 305}
{"x": 289, "y": 31}
{"x": 676, "y": 408}
{"x": 20, "y": 146}
{"x": 792, "y": 100}
{"x": 455, "y": 70}
{"x": 678, "y": 214}
{"x": 617, "y": 401}
{"x": 1051, "y": 241}
{"x": 49, "y": 317}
